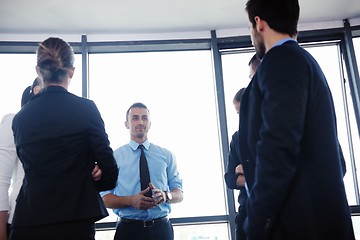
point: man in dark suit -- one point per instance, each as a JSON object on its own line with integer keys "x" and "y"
{"x": 59, "y": 139}
{"x": 288, "y": 142}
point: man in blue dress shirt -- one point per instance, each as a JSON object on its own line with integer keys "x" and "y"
{"x": 143, "y": 217}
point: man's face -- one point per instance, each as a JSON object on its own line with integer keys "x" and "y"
{"x": 138, "y": 123}
{"x": 257, "y": 41}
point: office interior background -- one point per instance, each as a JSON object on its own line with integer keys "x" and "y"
{"x": 185, "y": 60}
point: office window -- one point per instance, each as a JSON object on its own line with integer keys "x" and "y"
{"x": 104, "y": 234}
{"x": 75, "y": 86}
{"x": 353, "y": 124}
{"x": 355, "y": 138}
{"x": 356, "y": 225}
{"x": 236, "y": 76}
{"x": 218, "y": 231}
{"x": 178, "y": 89}
{"x": 356, "y": 42}
{"x": 18, "y": 72}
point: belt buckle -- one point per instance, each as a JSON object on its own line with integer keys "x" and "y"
{"x": 149, "y": 223}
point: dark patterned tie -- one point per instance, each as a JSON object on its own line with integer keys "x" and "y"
{"x": 144, "y": 172}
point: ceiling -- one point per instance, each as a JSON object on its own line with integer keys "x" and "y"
{"x": 148, "y": 17}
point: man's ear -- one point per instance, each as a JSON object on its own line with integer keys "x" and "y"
{"x": 126, "y": 125}
{"x": 259, "y": 24}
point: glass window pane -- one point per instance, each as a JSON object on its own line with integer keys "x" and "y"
{"x": 236, "y": 76}
{"x": 356, "y": 225}
{"x": 356, "y": 42}
{"x": 202, "y": 232}
{"x": 178, "y": 88}
{"x": 75, "y": 86}
{"x": 354, "y": 127}
{"x": 104, "y": 234}
{"x": 18, "y": 72}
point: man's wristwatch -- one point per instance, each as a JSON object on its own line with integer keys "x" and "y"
{"x": 168, "y": 196}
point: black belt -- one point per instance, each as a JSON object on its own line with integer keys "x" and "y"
{"x": 145, "y": 223}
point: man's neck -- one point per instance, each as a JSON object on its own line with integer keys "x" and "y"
{"x": 272, "y": 37}
{"x": 139, "y": 140}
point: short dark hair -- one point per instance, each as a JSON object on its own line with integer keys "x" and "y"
{"x": 135, "y": 105}
{"x": 239, "y": 95}
{"x": 29, "y": 92}
{"x": 281, "y": 15}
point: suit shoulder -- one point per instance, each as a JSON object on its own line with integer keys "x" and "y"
{"x": 287, "y": 51}
{"x": 84, "y": 102}
{"x": 81, "y": 99}
{"x": 286, "y": 58}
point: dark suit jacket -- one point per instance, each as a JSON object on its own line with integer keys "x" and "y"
{"x": 58, "y": 138}
{"x": 290, "y": 151}
{"x": 233, "y": 161}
